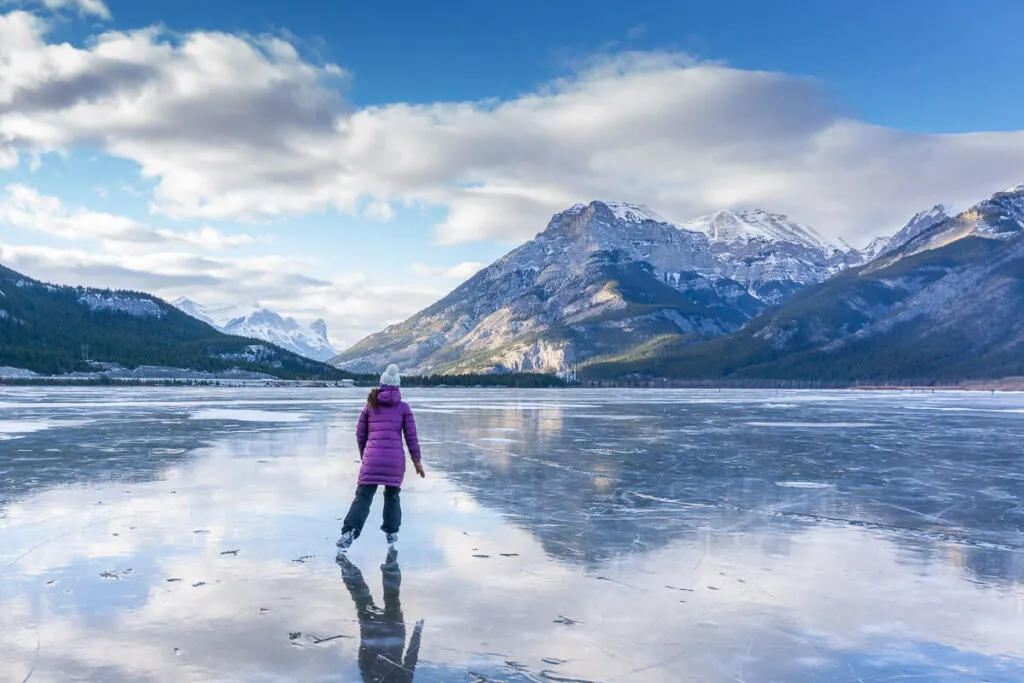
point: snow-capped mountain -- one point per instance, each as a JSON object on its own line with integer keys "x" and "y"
{"x": 773, "y": 255}
{"x": 602, "y": 277}
{"x": 943, "y": 302}
{"x": 1001, "y": 216}
{"x": 253, "y": 321}
{"x": 918, "y": 224}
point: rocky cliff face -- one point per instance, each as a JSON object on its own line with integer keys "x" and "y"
{"x": 944, "y": 302}
{"x": 601, "y": 278}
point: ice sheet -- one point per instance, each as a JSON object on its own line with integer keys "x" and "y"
{"x": 557, "y": 537}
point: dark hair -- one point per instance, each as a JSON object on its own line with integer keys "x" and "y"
{"x": 371, "y": 399}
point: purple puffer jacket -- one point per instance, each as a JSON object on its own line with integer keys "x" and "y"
{"x": 379, "y": 436}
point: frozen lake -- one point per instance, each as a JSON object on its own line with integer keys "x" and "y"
{"x": 749, "y": 536}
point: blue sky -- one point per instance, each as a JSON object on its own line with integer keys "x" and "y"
{"x": 894, "y": 63}
{"x": 355, "y": 160}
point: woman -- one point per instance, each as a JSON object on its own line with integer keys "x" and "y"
{"x": 383, "y": 422}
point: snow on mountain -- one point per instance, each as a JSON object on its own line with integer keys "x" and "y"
{"x": 193, "y": 309}
{"x": 253, "y": 321}
{"x": 875, "y": 247}
{"x": 999, "y": 217}
{"x": 729, "y": 227}
{"x": 918, "y": 224}
{"x": 218, "y": 317}
{"x": 600, "y": 278}
{"x": 138, "y": 306}
{"x": 632, "y": 213}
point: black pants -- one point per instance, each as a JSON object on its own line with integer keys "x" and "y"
{"x": 360, "y": 510}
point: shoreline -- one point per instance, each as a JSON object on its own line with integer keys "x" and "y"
{"x": 1008, "y": 385}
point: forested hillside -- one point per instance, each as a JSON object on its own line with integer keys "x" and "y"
{"x": 51, "y": 329}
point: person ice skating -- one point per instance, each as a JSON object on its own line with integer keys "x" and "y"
{"x": 382, "y": 424}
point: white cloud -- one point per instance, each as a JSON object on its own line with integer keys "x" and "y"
{"x": 379, "y": 211}
{"x": 232, "y": 127}
{"x": 23, "y": 207}
{"x": 8, "y": 157}
{"x": 95, "y": 8}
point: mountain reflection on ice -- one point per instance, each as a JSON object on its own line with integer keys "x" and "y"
{"x": 187, "y": 534}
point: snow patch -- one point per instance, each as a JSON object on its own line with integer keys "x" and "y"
{"x": 13, "y": 427}
{"x": 634, "y": 213}
{"x": 729, "y": 227}
{"x": 254, "y": 353}
{"x": 139, "y": 307}
{"x": 7, "y": 372}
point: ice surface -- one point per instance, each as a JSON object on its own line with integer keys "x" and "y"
{"x": 601, "y": 535}
{"x": 8, "y": 427}
{"x": 227, "y": 414}
{"x": 814, "y": 425}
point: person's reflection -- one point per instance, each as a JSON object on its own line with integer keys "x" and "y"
{"x": 382, "y": 632}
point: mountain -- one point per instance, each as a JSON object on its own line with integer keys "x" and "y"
{"x": 254, "y": 321}
{"x": 49, "y": 329}
{"x": 943, "y": 302}
{"x": 600, "y": 278}
{"x": 920, "y": 223}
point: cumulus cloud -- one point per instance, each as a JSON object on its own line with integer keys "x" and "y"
{"x": 237, "y": 127}
{"x": 25, "y": 208}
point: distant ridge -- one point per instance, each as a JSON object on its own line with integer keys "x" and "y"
{"x": 255, "y": 321}
{"x": 50, "y": 329}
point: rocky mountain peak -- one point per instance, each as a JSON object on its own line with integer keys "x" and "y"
{"x": 252, "y": 320}
{"x": 921, "y": 222}
{"x": 1001, "y": 216}
{"x": 757, "y": 225}
{"x": 602, "y": 275}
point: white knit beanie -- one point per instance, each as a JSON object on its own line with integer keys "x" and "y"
{"x": 391, "y": 378}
